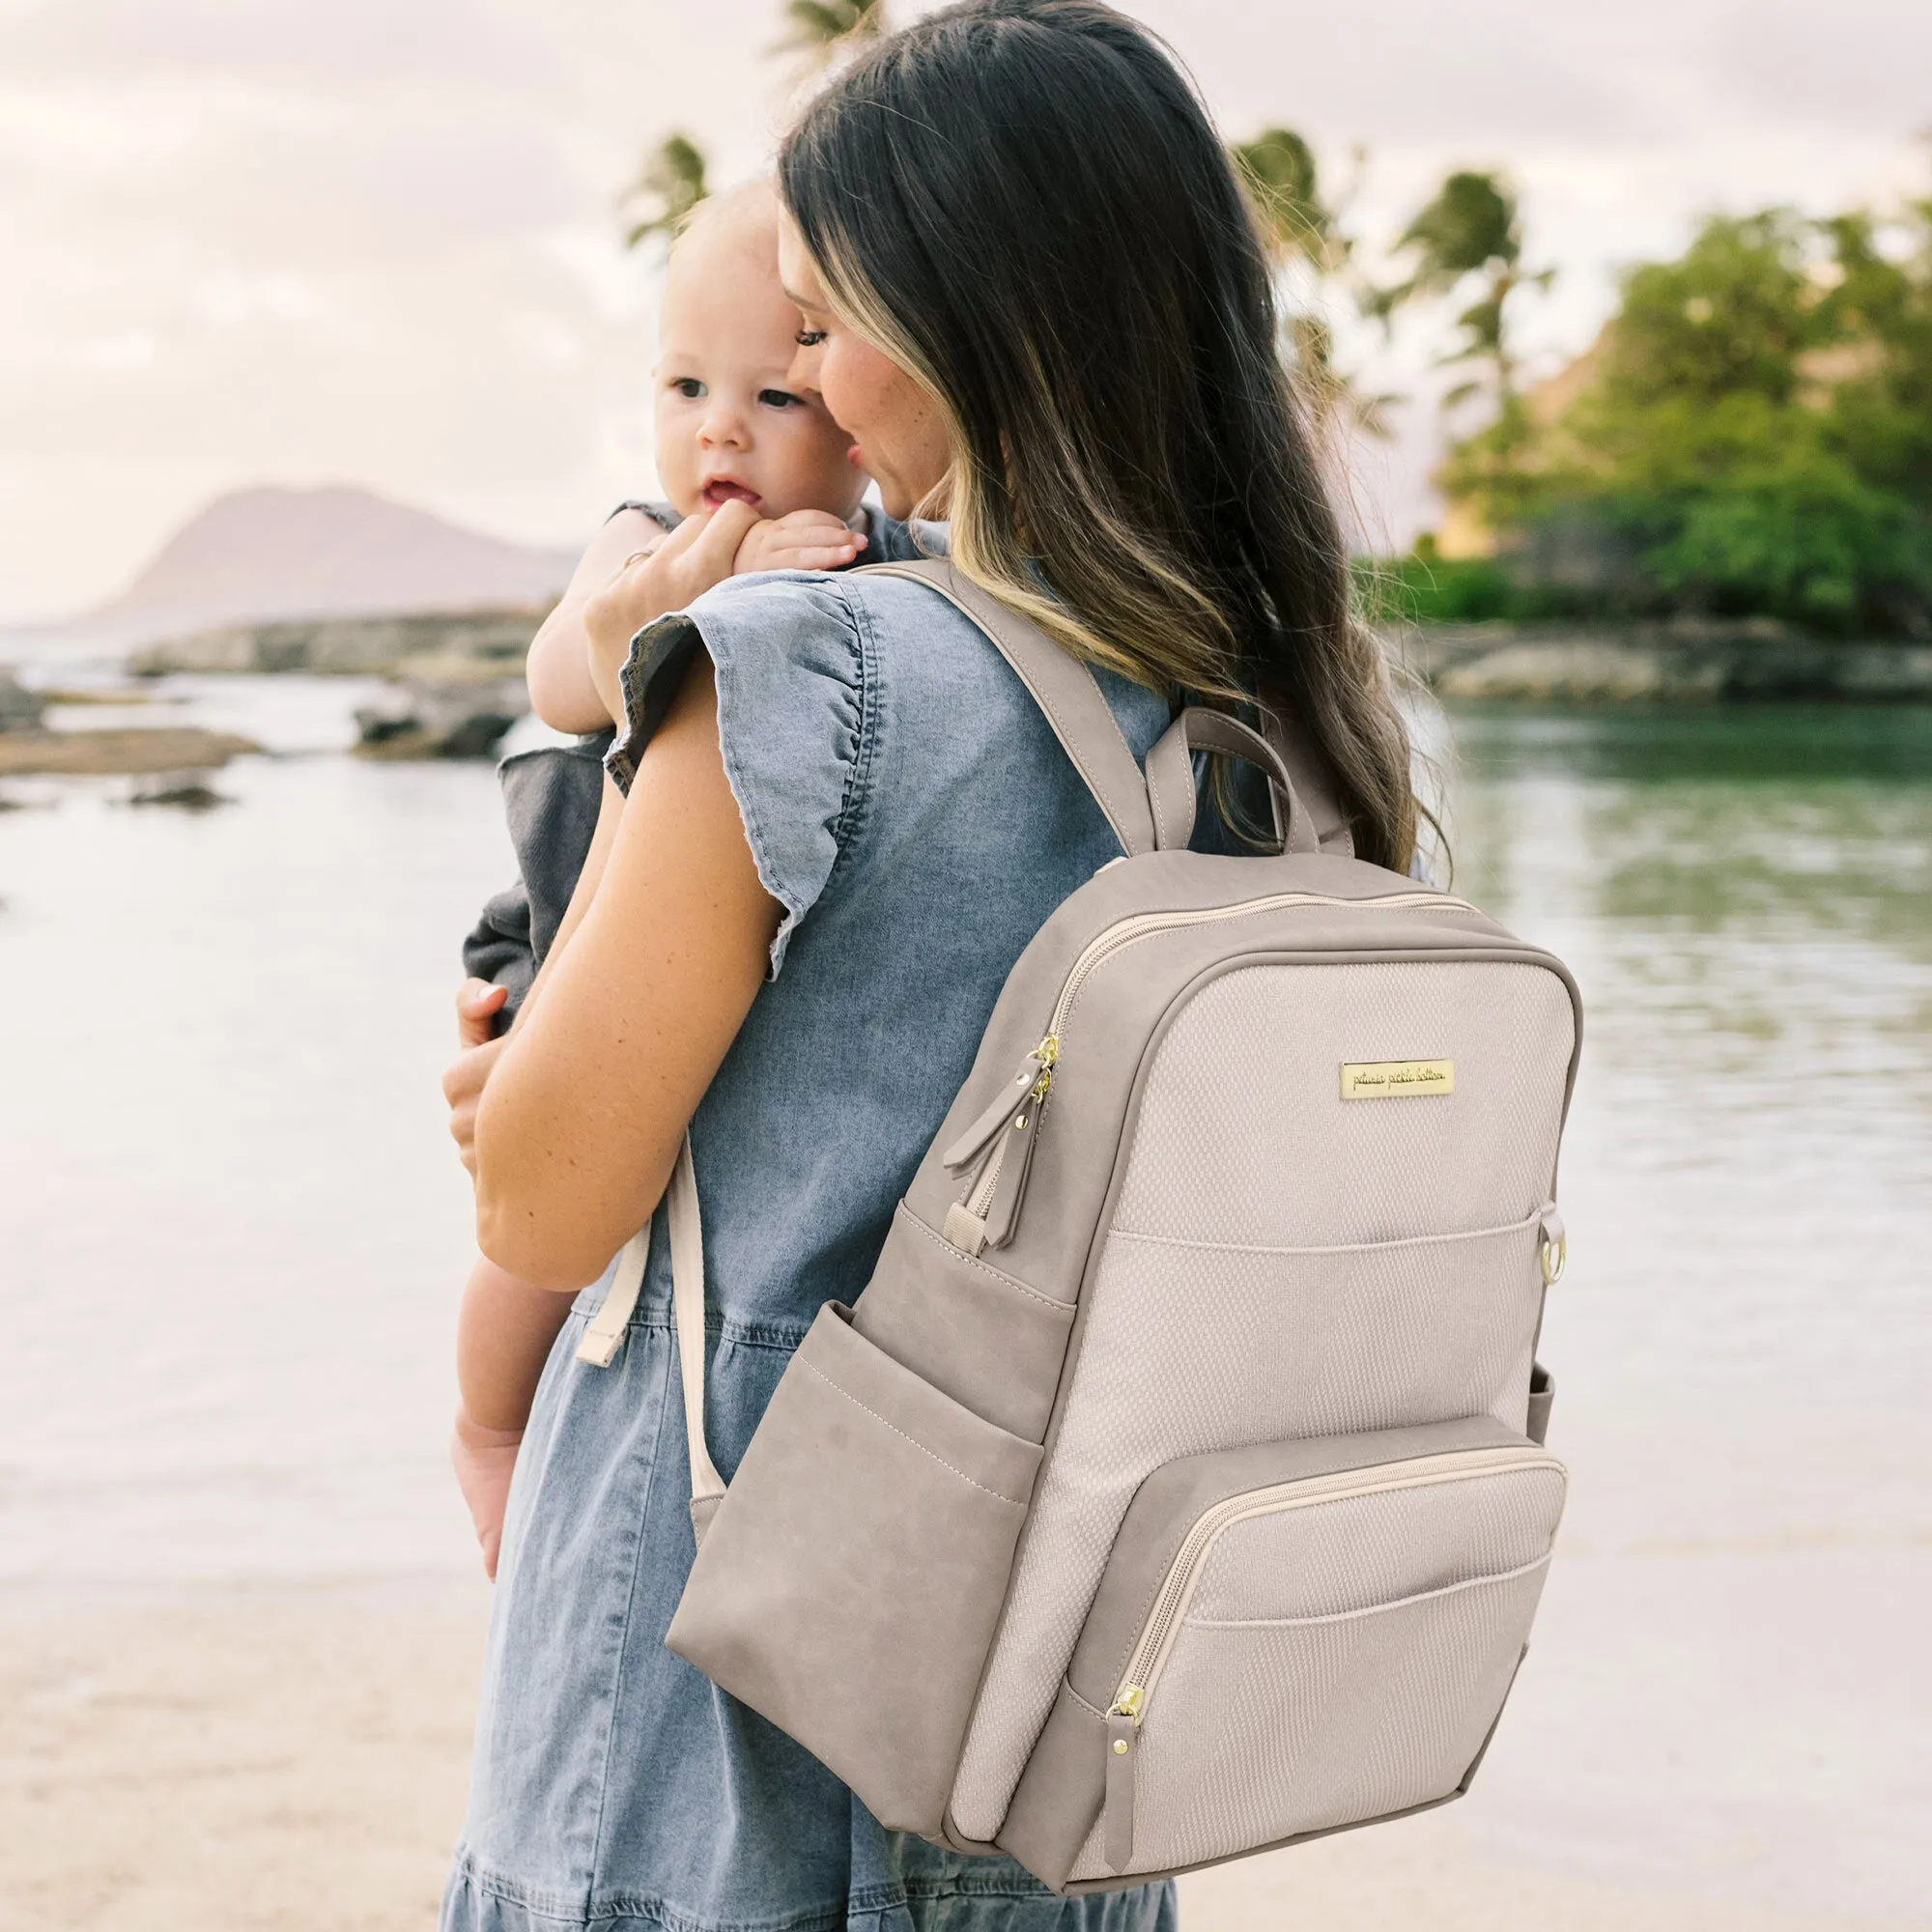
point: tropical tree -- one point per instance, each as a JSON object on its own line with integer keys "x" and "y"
{"x": 826, "y": 31}
{"x": 1280, "y": 172}
{"x": 1755, "y": 437}
{"x": 1466, "y": 244}
{"x": 1468, "y": 239}
{"x": 670, "y": 185}
{"x": 1311, "y": 255}
{"x": 673, "y": 181}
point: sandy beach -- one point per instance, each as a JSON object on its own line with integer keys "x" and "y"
{"x": 293, "y": 1760}
{"x": 285, "y": 1760}
{"x": 240, "y": 1621}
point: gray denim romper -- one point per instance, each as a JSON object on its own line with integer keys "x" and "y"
{"x": 917, "y": 821}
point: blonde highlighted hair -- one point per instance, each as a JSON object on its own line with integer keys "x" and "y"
{"x": 1024, "y": 205}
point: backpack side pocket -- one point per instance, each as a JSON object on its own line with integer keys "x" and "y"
{"x": 848, "y": 1586}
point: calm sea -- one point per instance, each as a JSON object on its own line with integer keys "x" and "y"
{"x": 232, "y": 1234}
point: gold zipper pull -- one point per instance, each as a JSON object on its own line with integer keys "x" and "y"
{"x": 1047, "y": 1055}
{"x": 1128, "y": 1703}
{"x": 1117, "y": 1809}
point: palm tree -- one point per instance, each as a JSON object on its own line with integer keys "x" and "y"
{"x": 825, "y": 31}
{"x": 1309, "y": 253}
{"x": 1472, "y": 228}
{"x": 670, "y": 187}
{"x": 1279, "y": 170}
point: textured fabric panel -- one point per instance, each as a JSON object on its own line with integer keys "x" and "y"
{"x": 1209, "y": 1325}
{"x": 1265, "y": 1731}
{"x": 1244, "y": 1136}
{"x": 1330, "y": 1558}
{"x": 1189, "y": 1349}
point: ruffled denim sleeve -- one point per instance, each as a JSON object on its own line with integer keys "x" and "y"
{"x": 791, "y": 663}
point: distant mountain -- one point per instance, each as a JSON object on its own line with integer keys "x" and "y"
{"x": 265, "y": 554}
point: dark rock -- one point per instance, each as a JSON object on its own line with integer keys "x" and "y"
{"x": 20, "y": 709}
{"x": 440, "y": 721}
{"x": 186, "y": 791}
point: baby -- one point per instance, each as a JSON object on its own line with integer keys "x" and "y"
{"x": 727, "y": 430}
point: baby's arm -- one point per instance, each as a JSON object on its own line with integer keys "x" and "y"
{"x": 562, "y": 692}
{"x": 503, "y": 1334}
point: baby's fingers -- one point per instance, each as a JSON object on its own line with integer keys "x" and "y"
{"x": 827, "y": 556}
{"x": 477, "y": 1005}
{"x": 819, "y": 524}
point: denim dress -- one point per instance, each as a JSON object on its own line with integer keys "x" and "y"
{"x": 916, "y": 820}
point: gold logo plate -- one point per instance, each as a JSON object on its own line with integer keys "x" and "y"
{"x": 1396, "y": 1079}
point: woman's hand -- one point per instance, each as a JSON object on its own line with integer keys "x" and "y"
{"x": 701, "y": 553}
{"x": 485, "y": 1460}
{"x": 805, "y": 540}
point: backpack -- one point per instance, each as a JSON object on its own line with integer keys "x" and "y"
{"x": 1176, "y": 1488}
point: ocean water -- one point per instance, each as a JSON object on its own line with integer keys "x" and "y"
{"x": 232, "y": 1235}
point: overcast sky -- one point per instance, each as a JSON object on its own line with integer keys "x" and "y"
{"x": 374, "y": 241}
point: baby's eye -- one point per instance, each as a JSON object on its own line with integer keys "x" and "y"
{"x": 810, "y": 338}
{"x": 688, "y": 387}
{"x": 778, "y": 399}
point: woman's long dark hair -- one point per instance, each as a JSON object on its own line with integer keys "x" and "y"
{"x": 1024, "y": 203}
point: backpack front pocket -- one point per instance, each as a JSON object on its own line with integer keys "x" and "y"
{"x": 848, "y": 1585}
{"x": 1288, "y": 1639}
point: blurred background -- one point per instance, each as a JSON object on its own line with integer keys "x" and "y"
{"x": 326, "y": 345}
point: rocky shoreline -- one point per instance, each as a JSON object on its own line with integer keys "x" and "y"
{"x": 455, "y": 681}
{"x": 474, "y": 646}
{"x": 123, "y": 751}
{"x": 1681, "y": 663}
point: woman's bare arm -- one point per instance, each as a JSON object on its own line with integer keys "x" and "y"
{"x": 584, "y": 1106}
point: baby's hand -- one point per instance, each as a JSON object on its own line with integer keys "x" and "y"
{"x": 485, "y": 1460}
{"x": 805, "y": 540}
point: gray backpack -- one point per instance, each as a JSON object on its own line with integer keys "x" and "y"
{"x": 1176, "y": 1488}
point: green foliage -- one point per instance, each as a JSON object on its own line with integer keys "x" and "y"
{"x": 673, "y": 182}
{"x": 665, "y": 194}
{"x": 823, "y": 29}
{"x": 1469, "y": 237}
{"x": 1757, "y": 438}
{"x": 1425, "y": 588}
{"x": 1278, "y": 169}
{"x": 1883, "y": 297}
{"x": 1471, "y": 223}
{"x": 1730, "y": 319}
{"x": 1312, "y": 256}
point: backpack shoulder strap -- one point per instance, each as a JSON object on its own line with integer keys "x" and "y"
{"x": 1063, "y": 689}
{"x": 1314, "y": 783}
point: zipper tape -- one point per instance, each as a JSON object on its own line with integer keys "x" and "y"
{"x": 987, "y": 1214}
{"x": 1156, "y": 1640}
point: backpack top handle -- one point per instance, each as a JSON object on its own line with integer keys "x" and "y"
{"x": 1151, "y": 811}
{"x": 1169, "y": 779}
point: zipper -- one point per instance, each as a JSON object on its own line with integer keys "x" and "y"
{"x": 1145, "y": 925}
{"x": 1130, "y": 1703}
{"x": 1183, "y": 1576}
{"x": 1002, "y": 1139}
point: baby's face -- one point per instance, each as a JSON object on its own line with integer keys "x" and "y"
{"x": 726, "y": 424}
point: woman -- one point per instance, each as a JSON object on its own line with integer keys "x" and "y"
{"x": 1032, "y": 294}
